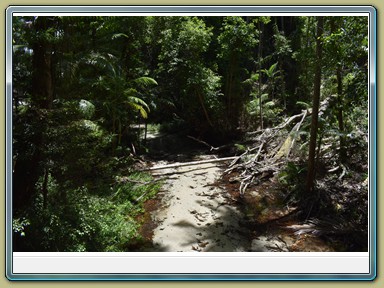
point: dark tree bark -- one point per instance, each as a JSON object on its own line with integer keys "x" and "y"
{"x": 45, "y": 188}
{"x": 339, "y": 107}
{"x": 259, "y": 55}
{"x": 315, "y": 110}
{"x": 340, "y": 118}
{"x": 27, "y": 169}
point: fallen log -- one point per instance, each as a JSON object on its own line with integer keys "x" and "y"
{"x": 126, "y": 179}
{"x": 287, "y": 145}
{"x": 177, "y": 165}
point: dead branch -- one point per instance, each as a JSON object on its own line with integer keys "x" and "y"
{"x": 177, "y": 165}
{"x": 289, "y": 120}
{"x": 254, "y": 132}
{"x": 136, "y": 201}
{"x": 343, "y": 173}
{"x": 296, "y": 131}
{"x": 204, "y": 143}
{"x": 211, "y": 148}
{"x": 333, "y": 169}
{"x": 236, "y": 159}
{"x": 253, "y": 166}
{"x": 173, "y": 173}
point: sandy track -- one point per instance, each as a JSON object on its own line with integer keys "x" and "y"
{"x": 197, "y": 215}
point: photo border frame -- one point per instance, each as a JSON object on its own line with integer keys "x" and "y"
{"x": 141, "y": 10}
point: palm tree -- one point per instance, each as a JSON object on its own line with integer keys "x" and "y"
{"x": 119, "y": 98}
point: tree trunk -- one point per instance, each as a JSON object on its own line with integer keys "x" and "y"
{"x": 339, "y": 107}
{"x": 45, "y": 189}
{"x": 42, "y": 66}
{"x": 259, "y": 80}
{"x": 229, "y": 92}
{"x": 315, "y": 110}
{"x": 201, "y": 100}
{"x": 340, "y": 119}
{"x": 28, "y": 169}
{"x": 145, "y": 131}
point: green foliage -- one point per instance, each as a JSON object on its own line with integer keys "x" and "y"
{"x": 272, "y": 71}
{"x": 253, "y": 107}
{"x": 19, "y": 225}
{"x": 303, "y": 104}
{"x": 260, "y": 105}
{"x": 73, "y": 150}
{"x": 291, "y": 179}
{"x": 116, "y": 227}
{"x": 137, "y": 104}
{"x": 145, "y": 81}
{"x": 237, "y": 36}
{"x": 87, "y": 109}
{"x": 237, "y": 40}
{"x": 84, "y": 220}
{"x": 190, "y": 90}
{"x": 118, "y": 100}
{"x": 240, "y": 148}
{"x": 282, "y": 43}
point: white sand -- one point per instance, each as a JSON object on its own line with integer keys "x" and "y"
{"x": 196, "y": 215}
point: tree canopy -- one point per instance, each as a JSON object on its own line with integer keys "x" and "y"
{"x": 83, "y": 85}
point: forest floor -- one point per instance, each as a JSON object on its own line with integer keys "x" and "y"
{"x": 200, "y": 210}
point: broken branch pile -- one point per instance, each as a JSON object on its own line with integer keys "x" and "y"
{"x": 273, "y": 147}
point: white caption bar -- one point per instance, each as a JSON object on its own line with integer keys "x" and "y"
{"x": 192, "y": 263}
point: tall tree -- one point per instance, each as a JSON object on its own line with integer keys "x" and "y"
{"x": 27, "y": 166}
{"x": 346, "y": 49}
{"x": 315, "y": 108}
{"x": 237, "y": 40}
{"x": 189, "y": 87}
{"x": 339, "y": 82}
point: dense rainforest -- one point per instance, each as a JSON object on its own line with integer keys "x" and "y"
{"x": 285, "y": 92}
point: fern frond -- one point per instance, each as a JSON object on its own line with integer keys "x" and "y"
{"x": 264, "y": 97}
{"x": 269, "y": 104}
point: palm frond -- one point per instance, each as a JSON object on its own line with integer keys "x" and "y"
{"x": 138, "y": 101}
{"x": 118, "y": 35}
{"x": 139, "y": 105}
{"x": 145, "y": 81}
{"x": 139, "y": 108}
{"x": 271, "y": 71}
